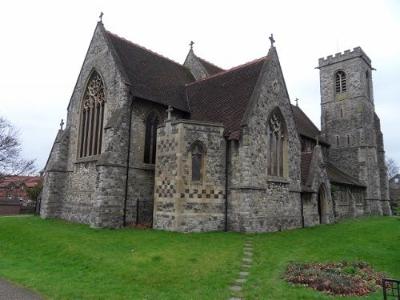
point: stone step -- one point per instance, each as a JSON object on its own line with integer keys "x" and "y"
{"x": 247, "y": 260}
{"x": 235, "y": 288}
{"x": 243, "y": 274}
{"x": 241, "y": 280}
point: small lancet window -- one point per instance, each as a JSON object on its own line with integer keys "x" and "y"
{"x": 197, "y": 151}
{"x": 337, "y": 141}
{"x": 277, "y": 149}
{"x": 150, "y": 142}
{"x": 340, "y": 79}
{"x": 368, "y": 84}
{"x": 92, "y": 116}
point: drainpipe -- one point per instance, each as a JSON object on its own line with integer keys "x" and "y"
{"x": 228, "y": 143}
{"x": 302, "y": 210}
{"x": 128, "y": 162}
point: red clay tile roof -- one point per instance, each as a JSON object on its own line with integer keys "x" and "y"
{"x": 305, "y": 126}
{"x": 151, "y": 76}
{"x": 340, "y": 177}
{"x": 224, "y": 97}
{"x": 28, "y": 181}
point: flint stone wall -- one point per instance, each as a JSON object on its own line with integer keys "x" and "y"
{"x": 258, "y": 202}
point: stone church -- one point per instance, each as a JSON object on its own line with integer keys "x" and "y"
{"x": 194, "y": 147}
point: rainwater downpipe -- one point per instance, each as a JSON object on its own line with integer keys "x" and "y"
{"x": 228, "y": 143}
{"x": 128, "y": 163}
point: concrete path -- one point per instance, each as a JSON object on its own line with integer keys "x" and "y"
{"x": 9, "y": 291}
{"x": 247, "y": 260}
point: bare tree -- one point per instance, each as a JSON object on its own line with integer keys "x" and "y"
{"x": 392, "y": 167}
{"x": 11, "y": 162}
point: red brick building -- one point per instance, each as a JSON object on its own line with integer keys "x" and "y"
{"x": 13, "y": 193}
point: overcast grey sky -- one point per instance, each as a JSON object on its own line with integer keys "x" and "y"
{"x": 43, "y": 44}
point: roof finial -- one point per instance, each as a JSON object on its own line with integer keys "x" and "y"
{"x": 297, "y": 101}
{"x": 191, "y": 45}
{"x": 61, "y": 124}
{"x": 101, "y": 17}
{"x": 271, "y": 38}
{"x": 169, "y": 111}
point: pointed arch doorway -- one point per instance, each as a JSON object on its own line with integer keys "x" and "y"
{"x": 322, "y": 205}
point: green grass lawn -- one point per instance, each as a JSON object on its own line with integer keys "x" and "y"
{"x": 69, "y": 261}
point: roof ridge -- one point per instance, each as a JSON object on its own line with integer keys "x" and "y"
{"x": 143, "y": 48}
{"x": 214, "y": 65}
{"x": 230, "y": 70}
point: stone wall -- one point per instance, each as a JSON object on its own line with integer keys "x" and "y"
{"x": 83, "y": 190}
{"x": 181, "y": 204}
{"x": 141, "y": 174}
{"x": 349, "y": 201}
{"x": 348, "y": 121}
{"x": 258, "y": 202}
{"x": 318, "y": 205}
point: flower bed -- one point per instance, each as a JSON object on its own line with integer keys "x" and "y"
{"x": 344, "y": 278}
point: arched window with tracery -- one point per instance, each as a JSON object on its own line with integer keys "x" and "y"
{"x": 150, "y": 142}
{"x": 340, "y": 79}
{"x": 277, "y": 145}
{"x": 197, "y": 151}
{"x": 92, "y": 116}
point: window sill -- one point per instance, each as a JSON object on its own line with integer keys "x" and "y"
{"x": 277, "y": 179}
{"x": 145, "y": 166}
{"x": 86, "y": 159}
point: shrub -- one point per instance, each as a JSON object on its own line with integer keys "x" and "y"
{"x": 344, "y": 278}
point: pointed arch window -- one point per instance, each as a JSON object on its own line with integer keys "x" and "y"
{"x": 340, "y": 79}
{"x": 197, "y": 152}
{"x": 92, "y": 116}
{"x": 277, "y": 145}
{"x": 150, "y": 142}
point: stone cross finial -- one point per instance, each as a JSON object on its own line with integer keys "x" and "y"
{"x": 271, "y": 39}
{"x": 191, "y": 45}
{"x": 297, "y": 101}
{"x": 61, "y": 124}
{"x": 101, "y": 17}
{"x": 169, "y": 110}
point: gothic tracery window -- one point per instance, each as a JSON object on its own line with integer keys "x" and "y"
{"x": 92, "y": 116}
{"x": 197, "y": 151}
{"x": 340, "y": 79}
{"x": 150, "y": 142}
{"x": 277, "y": 148}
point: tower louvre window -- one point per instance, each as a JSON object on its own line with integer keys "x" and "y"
{"x": 340, "y": 79}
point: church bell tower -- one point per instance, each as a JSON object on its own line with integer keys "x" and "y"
{"x": 349, "y": 123}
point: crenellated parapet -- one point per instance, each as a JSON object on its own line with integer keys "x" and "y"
{"x": 341, "y": 56}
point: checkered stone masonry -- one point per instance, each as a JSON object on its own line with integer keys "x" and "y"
{"x": 180, "y": 204}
